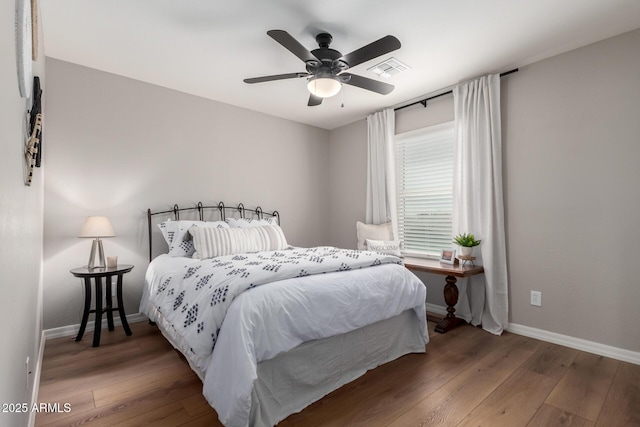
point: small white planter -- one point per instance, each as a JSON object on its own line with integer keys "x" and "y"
{"x": 466, "y": 251}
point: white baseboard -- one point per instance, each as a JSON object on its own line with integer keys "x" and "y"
{"x": 564, "y": 340}
{"x": 36, "y": 380}
{"x": 65, "y": 331}
{"x": 437, "y": 309}
{"x": 577, "y": 343}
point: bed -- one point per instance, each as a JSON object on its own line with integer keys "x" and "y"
{"x": 271, "y": 328}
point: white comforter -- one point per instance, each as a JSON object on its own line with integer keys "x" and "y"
{"x": 268, "y": 320}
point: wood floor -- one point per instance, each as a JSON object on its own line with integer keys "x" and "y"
{"x": 467, "y": 378}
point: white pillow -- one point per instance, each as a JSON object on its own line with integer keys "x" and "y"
{"x": 176, "y": 233}
{"x": 163, "y": 226}
{"x": 373, "y": 232}
{"x": 390, "y": 247}
{"x": 251, "y": 222}
{"x": 213, "y": 242}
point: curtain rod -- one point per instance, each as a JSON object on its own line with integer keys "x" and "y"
{"x": 424, "y": 101}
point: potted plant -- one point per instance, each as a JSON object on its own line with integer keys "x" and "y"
{"x": 466, "y": 241}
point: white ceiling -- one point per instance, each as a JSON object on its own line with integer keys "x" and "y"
{"x": 207, "y": 47}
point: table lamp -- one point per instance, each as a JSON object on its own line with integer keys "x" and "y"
{"x": 96, "y": 227}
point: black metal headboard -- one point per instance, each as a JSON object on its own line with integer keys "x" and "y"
{"x": 200, "y": 208}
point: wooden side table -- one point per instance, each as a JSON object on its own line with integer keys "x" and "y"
{"x": 97, "y": 274}
{"x": 452, "y": 271}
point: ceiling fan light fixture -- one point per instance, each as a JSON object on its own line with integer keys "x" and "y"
{"x": 325, "y": 67}
{"x": 324, "y": 87}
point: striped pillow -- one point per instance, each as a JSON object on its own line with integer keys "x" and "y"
{"x": 251, "y": 222}
{"x": 213, "y": 242}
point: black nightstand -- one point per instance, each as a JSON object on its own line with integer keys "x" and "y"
{"x": 97, "y": 274}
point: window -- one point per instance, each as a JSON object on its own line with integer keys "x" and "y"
{"x": 424, "y": 179}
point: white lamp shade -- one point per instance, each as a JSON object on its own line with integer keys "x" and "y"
{"x": 324, "y": 87}
{"x": 97, "y": 226}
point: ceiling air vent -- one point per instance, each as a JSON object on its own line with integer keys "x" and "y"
{"x": 388, "y": 68}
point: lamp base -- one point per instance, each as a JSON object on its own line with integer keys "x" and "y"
{"x": 97, "y": 243}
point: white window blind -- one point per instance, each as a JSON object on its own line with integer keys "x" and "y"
{"x": 424, "y": 168}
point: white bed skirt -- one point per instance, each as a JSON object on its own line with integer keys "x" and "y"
{"x": 286, "y": 385}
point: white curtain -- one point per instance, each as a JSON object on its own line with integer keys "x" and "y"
{"x": 478, "y": 202}
{"x": 381, "y": 186}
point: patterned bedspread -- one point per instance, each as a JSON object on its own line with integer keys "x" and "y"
{"x": 194, "y": 301}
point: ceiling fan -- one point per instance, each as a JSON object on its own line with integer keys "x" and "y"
{"x": 326, "y": 67}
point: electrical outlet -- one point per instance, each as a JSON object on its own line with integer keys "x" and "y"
{"x": 536, "y": 298}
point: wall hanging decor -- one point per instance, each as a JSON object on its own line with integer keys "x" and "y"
{"x": 33, "y": 146}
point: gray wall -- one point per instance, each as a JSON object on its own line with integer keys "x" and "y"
{"x": 572, "y": 147}
{"x": 348, "y": 182}
{"x": 571, "y": 143}
{"x": 20, "y": 233}
{"x": 117, "y": 146}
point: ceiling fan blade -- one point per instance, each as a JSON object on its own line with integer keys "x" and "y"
{"x": 368, "y": 84}
{"x": 275, "y": 77}
{"x": 286, "y": 40}
{"x": 372, "y": 50}
{"x": 314, "y": 100}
